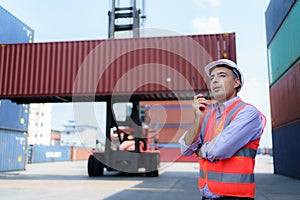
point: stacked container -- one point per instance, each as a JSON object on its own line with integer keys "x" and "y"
{"x": 12, "y": 150}
{"x": 168, "y": 121}
{"x": 13, "y": 117}
{"x": 13, "y": 30}
{"x": 283, "y": 30}
{"x": 162, "y": 68}
{"x": 13, "y": 140}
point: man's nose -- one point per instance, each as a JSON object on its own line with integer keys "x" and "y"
{"x": 215, "y": 79}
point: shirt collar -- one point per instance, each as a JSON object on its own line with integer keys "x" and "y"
{"x": 225, "y": 104}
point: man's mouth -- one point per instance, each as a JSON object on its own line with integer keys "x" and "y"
{"x": 216, "y": 88}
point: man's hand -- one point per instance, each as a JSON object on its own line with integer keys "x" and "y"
{"x": 198, "y": 152}
{"x": 192, "y": 134}
{"x": 199, "y": 105}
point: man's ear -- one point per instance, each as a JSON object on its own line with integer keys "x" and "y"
{"x": 237, "y": 82}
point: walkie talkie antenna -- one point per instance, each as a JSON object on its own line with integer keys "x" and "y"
{"x": 196, "y": 85}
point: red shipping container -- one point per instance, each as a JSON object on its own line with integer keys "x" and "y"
{"x": 78, "y": 153}
{"x": 285, "y": 98}
{"x": 174, "y": 155}
{"x": 170, "y": 114}
{"x": 154, "y": 68}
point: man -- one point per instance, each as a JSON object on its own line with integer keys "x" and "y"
{"x": 225, "y": 136}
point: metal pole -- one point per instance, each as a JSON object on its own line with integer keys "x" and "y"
{"x": 111, "y": 16}
{"x": 136, "y": 24}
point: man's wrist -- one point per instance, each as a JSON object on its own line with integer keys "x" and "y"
{"x": 198, "y": 151}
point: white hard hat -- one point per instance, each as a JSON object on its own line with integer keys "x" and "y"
{"x": 232, "y": 65}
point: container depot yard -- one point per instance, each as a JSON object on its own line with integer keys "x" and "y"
{"x": 69, "y": 180}
{"x": 140, "y": 158}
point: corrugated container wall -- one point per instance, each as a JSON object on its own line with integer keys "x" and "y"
{"x": 284, "y": 50}
{"x": 284, "y": 72}
{"x": 169, "y": 154}
{"x": 161, "y": 67}
{"x": 286, "y": 141}
{"x": 275, "y": 15}
{"x": 12, "y": 150}
{"x": 168, "y": 120}
{"x": 285, "y": 98}
{"x": 13, "y": 30}
{"x": 50, "y": 153}
{"x": 13, "y": 116}
{"x": 80, "y": 153}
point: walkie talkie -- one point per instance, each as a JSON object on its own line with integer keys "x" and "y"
{"x": 198, "y": 91}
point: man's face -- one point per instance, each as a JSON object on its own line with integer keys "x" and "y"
{"x": 223, "y": 84}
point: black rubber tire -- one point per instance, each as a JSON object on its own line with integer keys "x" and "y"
{"x": 95, "y": 167}
{"x": 109, "y": 169}
{"x": 152, "y": 174}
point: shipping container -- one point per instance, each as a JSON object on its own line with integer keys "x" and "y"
{"x": 12, "y": 150}
{"x": 13, "y": 30}
{"x": 13, "y": 116}
{"x": 42, "y": 153}
{"x": 171, "y": 153}
{"x": 275, "y": 15}
{"x": 284, "y": 73}
{"x": 284, "y": 50}
{"x": 80, "y": 153}
{"x": 170, "y": 112}
{"x": 168, "y": 121}
{"x": 177, "y": 114}
{"x": 29, "y": 153}
{"x": 285, "y": 98}
{"x": 170, "y": 133}
{"x": 286, "y": 142}
{"x": 154, "y": 68}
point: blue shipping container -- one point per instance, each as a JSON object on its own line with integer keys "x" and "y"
{"x": 29, "y": 153}
{"x": 284, "y": 50}
{"x": 13, "y": 30}
{"x": 285, "y": 146}
{"x": 42, "y": 153}
{"x": 13, "y": 116}
{"x": 12, "y": 151}
{"x": 275, "y": 15}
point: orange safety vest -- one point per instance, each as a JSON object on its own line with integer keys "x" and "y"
{"x": 232, "y": 176}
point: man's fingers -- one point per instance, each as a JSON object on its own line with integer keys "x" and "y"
{"x": 198, "y": 96}
{"x": 199, "y": 153}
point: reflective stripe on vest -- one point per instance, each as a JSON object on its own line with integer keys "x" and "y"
{"x": 228, "y": 178}
{"x": 246, "y": 152}
{"x": 233, "y": 113}
{"x": 203, "y": 128}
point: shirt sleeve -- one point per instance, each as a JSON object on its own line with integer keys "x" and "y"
{"x": 245, "y": 127}
{"x": 188, "y": 150}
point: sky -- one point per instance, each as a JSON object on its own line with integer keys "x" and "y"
{"x": 69, "y": 20}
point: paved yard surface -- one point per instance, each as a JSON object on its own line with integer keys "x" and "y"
{"x": 69, "y": 181}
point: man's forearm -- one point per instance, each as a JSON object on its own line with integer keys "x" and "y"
{"x": 192, "y": 134}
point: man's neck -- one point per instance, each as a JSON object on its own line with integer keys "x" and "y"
{"x": 221, "y": 102}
